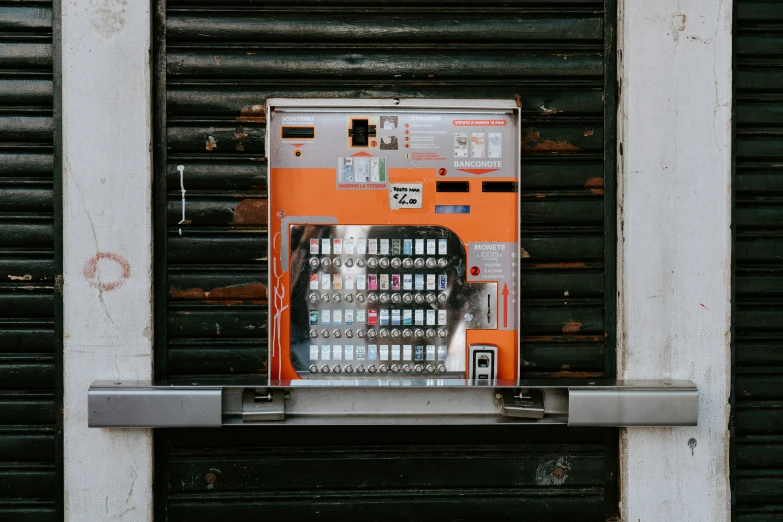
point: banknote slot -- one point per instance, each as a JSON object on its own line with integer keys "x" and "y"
{"x": 452, "y": 186}
{"x": 498, "y": 186}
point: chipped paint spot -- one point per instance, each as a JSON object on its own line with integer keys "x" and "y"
{"x": 251, "y": 212}
{"x": 211, "y": 143}
{"x": 594, "y": 183}
{"x": 252, "y": 113}
{"x": 572, "y": 327}
{"x": 240, "y": 133}
{"x": 692, "y": 445}
{"x": 25, "y": 277}
{"x": 589, "y": 132}
{"x": 531, "y": 143}
{"x": 524, "y": 253}
{"x": 548, "y": 112}
{"x": 229, "y": 293}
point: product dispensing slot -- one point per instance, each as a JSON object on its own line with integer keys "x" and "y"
{"x": 452, "y": 186}
{"x": 498, "y": 186}
{"x": 298, "y": 133}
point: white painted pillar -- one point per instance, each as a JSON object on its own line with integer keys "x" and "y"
{"x": 675, "y": 247}
{"x": 107, "y": 251}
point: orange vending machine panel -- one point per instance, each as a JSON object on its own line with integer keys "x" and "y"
{"x": 393, "y": 239}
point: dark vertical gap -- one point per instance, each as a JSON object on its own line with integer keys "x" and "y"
{"x": 732, "y": 290}
{"x": 58, "y": 260}
{"x": 612, "y": 446}
{"x": 160, "y": 231}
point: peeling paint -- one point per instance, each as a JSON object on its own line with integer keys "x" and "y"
{"x": 531, "y": 143}
{"x": 211, "y": 143}
{"x": 243, "y": 292}
{"x": 553, "y": 471}
{"x": 253, "y": 114}
{"x": 589, "y": 132}
{"x": 571, "y": 327}
{"x": 548, "y": 112}
{"x": 26, "y": 277}
{"x": 251, "y": 212}
{"x": 524, "y": 253}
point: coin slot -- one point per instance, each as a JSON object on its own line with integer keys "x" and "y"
{"x": 452, "y": 186}
{"x": 498, "y": 186}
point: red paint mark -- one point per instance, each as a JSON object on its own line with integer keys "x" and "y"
{"x": 91, "y": 271}
{"x": 702, "y": 305}
{"x": 505, "y": 305}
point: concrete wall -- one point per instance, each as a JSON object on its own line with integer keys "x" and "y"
{"x": 107, "y": 249}
{"x": 675, "y": 248}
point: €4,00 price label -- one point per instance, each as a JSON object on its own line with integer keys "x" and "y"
{"x": 405, "y": 195}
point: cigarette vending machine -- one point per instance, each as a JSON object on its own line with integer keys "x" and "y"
{"x": 393, "y": 239}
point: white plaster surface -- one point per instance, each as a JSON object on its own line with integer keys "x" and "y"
{"x": 107, "y": 209}
{"x": 674, "y": 266}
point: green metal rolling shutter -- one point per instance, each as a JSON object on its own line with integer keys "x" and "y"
{"x": 757, "y": 419}
{"x": 216, "y": 64}
{"x": 30, "y": 435}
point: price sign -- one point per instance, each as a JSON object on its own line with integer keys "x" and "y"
{"x": 405, "y": 195}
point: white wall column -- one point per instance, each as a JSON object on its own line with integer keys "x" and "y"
{"x": 107, "y": 251}
{"x": 675, "y": 248}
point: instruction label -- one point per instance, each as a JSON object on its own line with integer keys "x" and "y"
{"x": 497, "y": 261}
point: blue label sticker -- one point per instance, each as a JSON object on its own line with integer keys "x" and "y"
{"x": 452, "y": 209}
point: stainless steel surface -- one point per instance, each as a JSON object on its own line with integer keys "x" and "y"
{"x": 458, "y": 104}
{"x": 153, "y": 407}
{"x": 393, "y": 401}
{"x": 629, "y": 407}
{"x": 527, "y": 404}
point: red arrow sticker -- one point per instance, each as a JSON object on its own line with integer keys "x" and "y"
{"x": 505, "y": 305}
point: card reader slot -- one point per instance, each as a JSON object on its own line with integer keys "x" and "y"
{"x": 452, "y": 186}
{"x": 498, "y": 186}
{"x": 298, "y": 133}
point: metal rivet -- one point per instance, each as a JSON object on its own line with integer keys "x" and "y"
{"x": 210, "y": 478}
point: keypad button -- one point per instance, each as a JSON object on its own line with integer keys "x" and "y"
{"x": 372, "y": 263}
{"x": 313, "y": 368}
{"x": 313, "y": 298}
{"x": 396, "y": 298}
{"x": 325, "y": 298}
{"x": 419, "y": 298}
{"x": 395, "y": 368}
{"x": 349, "y": 369}
{"x": 418, "y": 368}
{"x": 372, "y": 369}
{"x": 430, "y": 332}
{"x": 337, "y": 369}
{"x": 337, "y": 298}
{"x": 407, "y": 298}
{"x": 383, "y": 263}
{"x": 349, "y": 333}
{"x": 430, "y": 368}
{"x": 431, "y": 298}
{"x": 349, "y": 264}
{"x": 442, "y": 333}
{"x": 442, "y": 368}
{"x": 384, "y": 333}
{"x": 383, "y": 369}
{"x": 372, "y": 297}
{"x": 349, "y": 298}
{"x": 325, "y": 262}
{"x": 360, "y": 298}
{"x": 337, "y": 333}
{"x": 407, "y": 368}
{"x": 337, "y": 262}
{"x": 419, "y": 262}
{"x": 431, "y": 262}
{"x": 396, "y": 262}
{"x": 360, "y": 333}
{"x": 360, "y": 369}
{"x": 324, "y": 333}
{"x": 407, "y": 262}
{"x": 419, "y": 332}
{"x": 384, "y": 298}
{"x": 407, "y": 333}
{"x": 372, "y": 334}
{"x": 361, "y": 263}
{"x": 395, "y": 333}
{"x": 442, "y": 298}
{"x": 313, "y": 333}
{"x": 314, "y": 263}
{"x": 443, "y": 262}
{"x": 325, "y": 369}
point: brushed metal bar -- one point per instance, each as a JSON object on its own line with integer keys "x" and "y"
{"x": 159, "y": 407}
{"x": 639, "y": 407}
